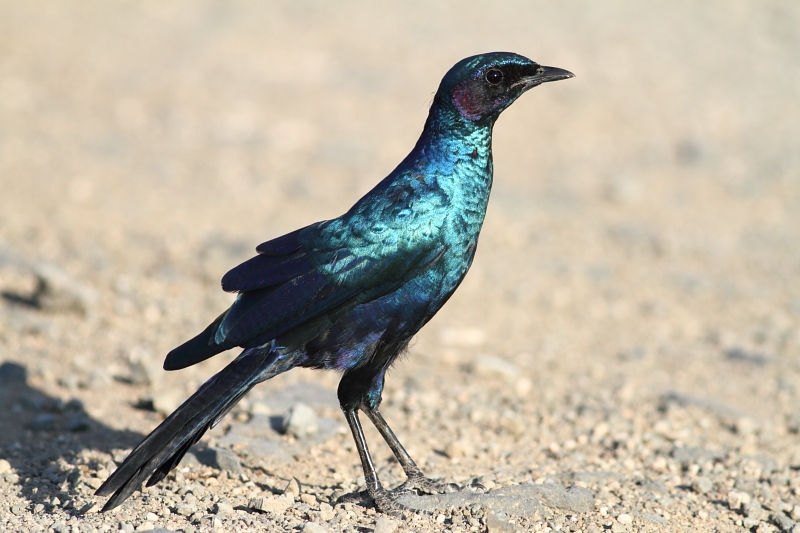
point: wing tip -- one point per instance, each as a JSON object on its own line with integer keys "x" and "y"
{"x": 197, "y": 349}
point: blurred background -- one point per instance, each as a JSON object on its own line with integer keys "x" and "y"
{"x": 642, "y": 240}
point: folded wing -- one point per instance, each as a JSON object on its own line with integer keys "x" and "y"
{"x": 300, "y": 278}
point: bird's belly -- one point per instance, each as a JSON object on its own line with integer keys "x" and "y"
{"x": 384, "y": 325}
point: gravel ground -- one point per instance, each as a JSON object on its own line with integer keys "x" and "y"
{"x": 623, "y": 356}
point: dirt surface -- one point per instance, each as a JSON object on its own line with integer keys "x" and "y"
{"x": 631, "y": 325}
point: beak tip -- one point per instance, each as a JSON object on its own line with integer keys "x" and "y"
{"x": 555, "y": 73}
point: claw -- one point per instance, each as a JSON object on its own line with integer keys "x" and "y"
{"x": 450, "y": 487}
{"x": 474, "y": 487}
{"x": 387, "y": 503}
{"x": 426, "y": 485}
{"x": 353, "y": 497}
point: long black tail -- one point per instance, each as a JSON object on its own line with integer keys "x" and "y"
{"x": 163, "y": 449}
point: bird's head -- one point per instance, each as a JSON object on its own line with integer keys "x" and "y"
{"x": 480, "y": 87}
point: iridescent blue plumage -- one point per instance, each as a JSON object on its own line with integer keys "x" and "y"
{"x": 349, "y": 293}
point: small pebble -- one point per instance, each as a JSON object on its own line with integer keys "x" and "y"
{"x": 313, "y": 527}
{"x": 783, "y": 522}
{"x": 93, "y": 482}
{"x": 702, "y": 485}
{"x": 271, "y": 504}
{"x": 745, "y": 426}
{"x": 222, "y": 507}
{"x": 625, "y": 518}
{"x": 496, "y": 524}
{"x": 763, "y": 527}
{"x": 222, "y": 459}
{"x": 737, "y": 499}
{"x": 293, "y": 487}
{"x": 327, "y": 513}
{"x": 186, "y": 510}
{"x": 300, "y": 421}
{"x": 78, "y": 422}
{"x": 795, "y": 513}
{"x": 384, "y": 525}
{"x": 143, "y": 371}
{"x": 458, "y": 448}
{"x": 69, "y": 381}
{"x": 618, "y": 527}
{"x": 5, "y": 467}
{"x": 43, "y": 422}
{"x": 57, "y": 291}
{"x": 166, "y": 401}
{"x": 754, "y": 510}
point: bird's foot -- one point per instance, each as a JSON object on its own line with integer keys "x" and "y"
{"x": 353, "y": 497}
{"x": 384, "y": 500}
{"x": 418, "y": 483}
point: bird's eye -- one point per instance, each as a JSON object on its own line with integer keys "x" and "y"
{"x": 494, "y": 76}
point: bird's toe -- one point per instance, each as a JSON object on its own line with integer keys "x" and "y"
{"x": 353, "y": 497}
{"x": 425, "y": 485}
{"x": 386, "y": 502}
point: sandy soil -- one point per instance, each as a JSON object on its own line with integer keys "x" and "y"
{"x": 631, "y": 324}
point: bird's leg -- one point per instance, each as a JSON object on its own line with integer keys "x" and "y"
{"x": 416, "y": 479}
{"x": 383, "y": 500}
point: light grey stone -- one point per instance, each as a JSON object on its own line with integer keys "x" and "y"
{"x": 300, "y": 421}
{"x": 313, "y": 527}
{"x": 496, "y": 524}
{"x": 57, "y": 291}
{"x": 222, "y": 507}
{"x": 702, "y": 485}
{"x": 783, "y": 522}
{"x": 166, "y": 401}
{"x": 385, "y": 525}
{"x": 220, "y": 458}
{"x": 271, "y": 504}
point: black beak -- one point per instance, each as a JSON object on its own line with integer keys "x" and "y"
{"x": 544, "y": 74}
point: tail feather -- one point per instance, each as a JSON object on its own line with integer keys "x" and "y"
{"x": 163, "y": 449}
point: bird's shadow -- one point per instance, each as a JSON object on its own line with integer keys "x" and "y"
{"x": 42, "y": 437}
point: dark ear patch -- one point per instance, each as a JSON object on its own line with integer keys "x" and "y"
{"x": 469, "y": 99}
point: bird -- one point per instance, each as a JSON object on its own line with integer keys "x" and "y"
{"x": 348, "y": 294}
